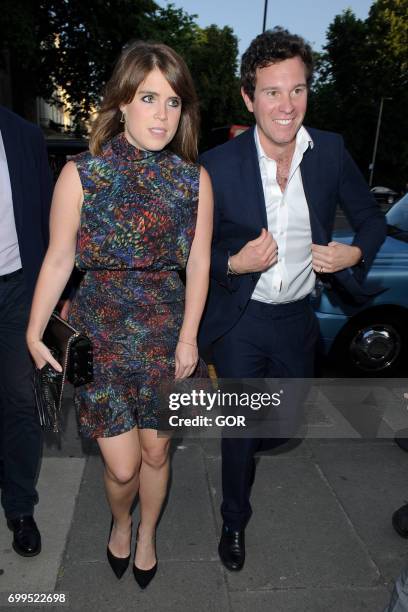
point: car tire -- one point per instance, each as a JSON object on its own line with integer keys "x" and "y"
{"x": 374, "y": 344}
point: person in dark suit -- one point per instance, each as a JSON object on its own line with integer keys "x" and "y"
{"x": 25, "y": 197}
{"x": 276, "y": 190}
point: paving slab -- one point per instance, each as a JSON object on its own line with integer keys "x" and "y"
{"x": 370, "y": 481}
{"x": 186, "y": 530}
{"x": 211, "y": 446}
{"x": 177, "y": 586}
{"x": 58, "y": 488}
{"x": 296, "y": 448}
{"x": 310, "y": 547}
{"x": 354, "y": 408}
{"x": 91, "y": 521}
{"x": 299, "y": 535}
{"x": 312, "y": 600}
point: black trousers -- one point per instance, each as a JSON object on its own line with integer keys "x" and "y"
{"x": 20, "y": 432}
{"x": 269, "y": 341}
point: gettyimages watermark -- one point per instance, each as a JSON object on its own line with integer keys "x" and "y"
{"x": 218, "y": 401}
{"x": 285, "y": 408}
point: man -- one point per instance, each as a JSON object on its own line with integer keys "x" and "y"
{"x": 276, "y": 189}
{"x": 25, "y": 195}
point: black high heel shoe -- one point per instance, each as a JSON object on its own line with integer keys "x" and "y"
{"x": 143, "y": 577}
{"x": 119, "y": 565}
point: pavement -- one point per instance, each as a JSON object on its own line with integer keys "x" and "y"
{"x": 320, "y": 538}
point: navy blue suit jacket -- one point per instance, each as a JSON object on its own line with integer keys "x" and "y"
{"x": 330, "y": 178}
{"x": 31, "y": 187}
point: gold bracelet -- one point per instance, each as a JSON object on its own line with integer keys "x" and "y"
{"x": 189, "y": 343}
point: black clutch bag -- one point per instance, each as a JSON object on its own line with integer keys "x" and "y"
{"x": 73, "y": 350}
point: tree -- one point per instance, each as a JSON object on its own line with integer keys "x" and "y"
{"x": 211, "y": 54}
{"x": 362, "y": 62}
{"x": 337, "y": 102}
{"x": 68, "y": 44}
{"x": 20, "y": 24}
{"x": 388, "y": 42}
{"x": 176, "y": 28}
{"x": 71, "y": 45}
{"x": 213, "y": 61}
{"x": 388, "y": 35}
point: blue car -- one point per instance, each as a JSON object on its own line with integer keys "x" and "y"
{"x": 371, "y": 340}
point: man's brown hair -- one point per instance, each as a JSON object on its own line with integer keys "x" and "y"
{"x": 269, "y": 48}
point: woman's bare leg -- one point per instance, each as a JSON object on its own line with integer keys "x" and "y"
{"x": 154, "y": 476}
{"x": 122, "y": 458}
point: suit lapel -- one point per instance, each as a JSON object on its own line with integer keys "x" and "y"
{"x": 344, "y": 280}
{"x": 251, "y": 177}
{"x": 13, "y": 149}
{"x": 310, "y": 172}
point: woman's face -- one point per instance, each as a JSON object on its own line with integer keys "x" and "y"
{"x": 152, "y": 117}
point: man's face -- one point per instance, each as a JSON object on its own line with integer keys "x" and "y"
{"x": 279, "y": 104}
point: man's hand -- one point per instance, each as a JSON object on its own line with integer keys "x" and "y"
{"x": 256, "y": 255}
{"x": 334, "y": 257}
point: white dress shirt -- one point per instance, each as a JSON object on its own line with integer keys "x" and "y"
{"x": 292, "y": 277}
{"x": 10, "y": 260}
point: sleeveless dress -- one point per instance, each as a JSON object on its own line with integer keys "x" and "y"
{"x": 137, "y": 224}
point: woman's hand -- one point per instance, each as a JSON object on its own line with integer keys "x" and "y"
{"x": 42, "y": 355}
{"x": 63, "y": 307}
{"x": 186, "y": 359}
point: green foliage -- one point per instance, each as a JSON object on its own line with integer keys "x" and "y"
{"x": 362, "y": 62}
{"x": 388, "y": 24}
{"x": 176, "y": 28}
{"x": 213, "y": 62}
{"x": 20, "y": 26}
{"x": 211, "y": 54}
{"x": 71, "y": 44}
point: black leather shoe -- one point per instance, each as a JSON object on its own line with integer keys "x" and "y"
{"x": 119, "y": 565}
{"x": 232, "y": 548}
{"x": 143, "y": 577}
{"x": 400, "y": 521}
{"x": 401, "y": 438}
{"x": 27, "y": 538}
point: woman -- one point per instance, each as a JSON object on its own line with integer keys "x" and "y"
{"x": 132, "y": 212}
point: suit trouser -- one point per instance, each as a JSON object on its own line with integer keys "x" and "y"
{"x": 269, "y": 341}
{"x": 20, "y": 432}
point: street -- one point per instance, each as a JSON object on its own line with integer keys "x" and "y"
{"x": 320, "y": 537}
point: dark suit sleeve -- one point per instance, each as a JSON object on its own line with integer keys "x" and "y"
{"x": 362, "y": 211}
{"x": 219, "y": 253}
{"x": 219, "y": 261}
{"x": 46, "y": 186}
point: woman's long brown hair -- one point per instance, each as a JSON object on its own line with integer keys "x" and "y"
{"x": 137, "y": 60}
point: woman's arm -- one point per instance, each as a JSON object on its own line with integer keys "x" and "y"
{"x": 58, "y": 262}
{"x": 197, "y": 279}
